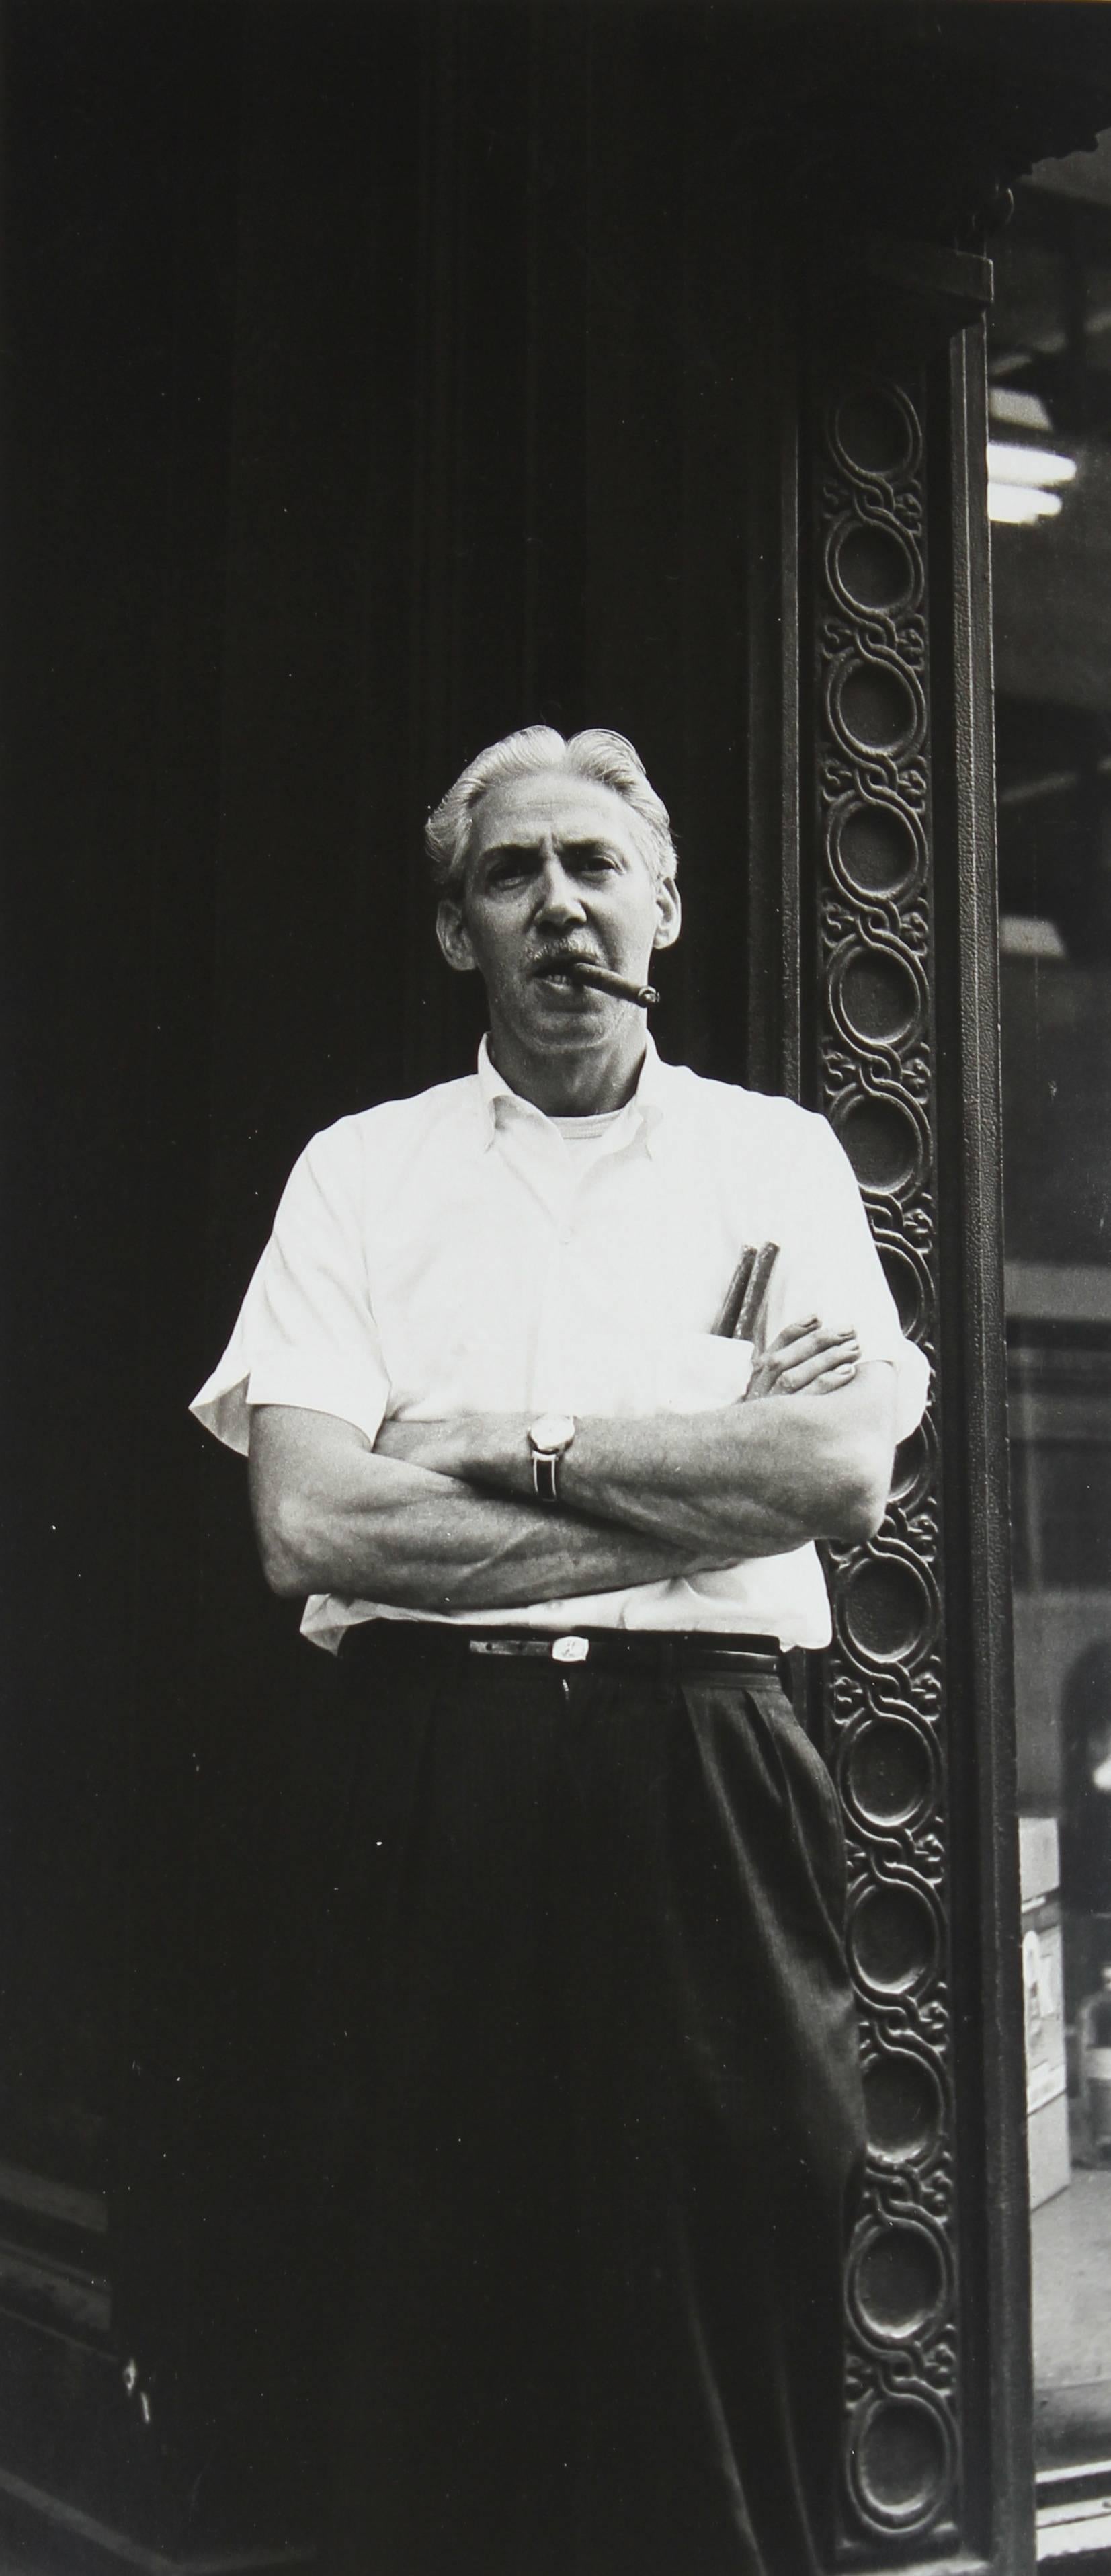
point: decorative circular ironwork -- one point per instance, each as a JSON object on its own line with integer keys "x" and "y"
{"x": 876, "y": 705}
{"x": 914, "y": 1462}
{"x": 872, "y": 567}
{"x": 893, "y": 1938}
{"x": 903, "y": 2107}
{"x": 883, "y": 1137}
{"x": 875, "y": 851}
{"x": 887, "y": 1609}
{"x": 900, "y": 2461}
{"x": 888, "y": 1772}
{"x": 903, "y": 1274}
{"x": 873, "y": 431}
{"x": 897, "y": 2281}
{"x": 875, "y": 994}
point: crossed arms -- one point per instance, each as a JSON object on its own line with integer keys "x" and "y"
{"x": 441, "y": 1515}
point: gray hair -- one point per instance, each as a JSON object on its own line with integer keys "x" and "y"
{"x": 606, "y": 757}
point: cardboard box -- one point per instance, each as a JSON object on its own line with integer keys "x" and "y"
{"x": 1043, "y": 1990}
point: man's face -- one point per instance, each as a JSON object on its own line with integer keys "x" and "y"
{"x": 556, "y": 870}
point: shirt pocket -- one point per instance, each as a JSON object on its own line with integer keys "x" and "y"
{"x": 701, "y": 1373}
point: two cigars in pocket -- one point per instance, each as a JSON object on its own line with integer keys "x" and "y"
{"x": 744, "y": 1297}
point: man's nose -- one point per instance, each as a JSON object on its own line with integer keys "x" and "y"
{"x": 560, "y": 898}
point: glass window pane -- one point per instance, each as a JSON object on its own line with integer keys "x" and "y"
{"x": 1050, "y": 433}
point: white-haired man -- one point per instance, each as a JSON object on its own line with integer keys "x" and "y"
{"x": 560, "y": 1524}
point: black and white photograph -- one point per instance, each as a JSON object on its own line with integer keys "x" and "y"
{"x": 556, "y": 1766}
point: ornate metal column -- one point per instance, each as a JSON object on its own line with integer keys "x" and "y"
{"x": 897, "y": 979}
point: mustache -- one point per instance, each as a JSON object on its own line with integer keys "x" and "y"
{"x": 556, "y": 959}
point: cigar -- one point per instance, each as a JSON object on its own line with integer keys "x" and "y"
{"x": 744, "y": 1297}
{"x": 585, "y": 971}
{"x": 752, "y": 1306}
{"x": 726, "y": 1324}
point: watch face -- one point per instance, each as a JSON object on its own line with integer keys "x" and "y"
{"x": 552, "y": 1432}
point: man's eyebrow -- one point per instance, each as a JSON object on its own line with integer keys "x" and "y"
{"x": 589, "y": 846}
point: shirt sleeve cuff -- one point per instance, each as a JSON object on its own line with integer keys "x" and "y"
{"x": 224, "y": 1404}
{"x": 912, "y": 1386}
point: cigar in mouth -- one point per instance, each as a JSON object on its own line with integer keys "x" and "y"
{"x": 584, "y": 971}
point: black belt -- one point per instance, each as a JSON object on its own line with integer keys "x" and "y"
{"x": 664, "y": 1652}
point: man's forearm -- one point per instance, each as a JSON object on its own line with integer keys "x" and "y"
{"x": 749, "y": 1479}
{"x": 333, "y": 1517}
{"x": 759, "y": 1478}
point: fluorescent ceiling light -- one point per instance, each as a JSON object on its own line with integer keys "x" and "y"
{"x": 1030, "y": 465}
{"x": 1018, "y": 411}
{"x": 1027, "y": 934}
{"x": 1020, "y": 504}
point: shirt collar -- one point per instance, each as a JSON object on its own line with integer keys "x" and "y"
{"x": 649, "y": 1099}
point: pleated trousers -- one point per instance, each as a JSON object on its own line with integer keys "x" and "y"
{"x": 596, "y": 2128}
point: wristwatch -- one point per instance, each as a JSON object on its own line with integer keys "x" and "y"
{"x": 549, "y": 1437}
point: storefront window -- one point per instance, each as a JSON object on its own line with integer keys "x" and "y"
{"x": 1050, "y": 502}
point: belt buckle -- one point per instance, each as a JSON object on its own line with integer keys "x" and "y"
{"x": 570, "y": 1650}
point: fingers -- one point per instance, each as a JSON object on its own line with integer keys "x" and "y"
{"x": 811, "y": 1357}
{"x": 800, "y": 1341}
{"x": 791, "y": 1337}
{"x": 819, "y": 1376}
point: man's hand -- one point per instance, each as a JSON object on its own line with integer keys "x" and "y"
{"x": 804, "y": 1358}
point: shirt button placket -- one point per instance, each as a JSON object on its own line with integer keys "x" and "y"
{"x": 551, "y": 1337}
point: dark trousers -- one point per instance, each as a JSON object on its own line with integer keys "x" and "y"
{"x": 598, "y": 2083}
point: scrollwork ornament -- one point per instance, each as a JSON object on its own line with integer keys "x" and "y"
{"x": 934, "y": 2016}
{"x": 880, "y": 637}
{"x": 902, "y": 2372}
{"x": 914, "y": 785}
{"x": 835, "y": 497}
{"x": 880, "y": 924}
{"x": 838, "y": 924}
{"x": 837, "y": 637}
{"x": 879, "y": 780}
{"x": 938, "y": 2192}
{"x": 885, "y": 506}
{"x": 908, "y": 510}
{"x": 919, "y": 1224}
{"x": 835, "y": 779}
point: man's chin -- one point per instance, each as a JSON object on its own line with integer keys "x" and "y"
{"x": 553, "y": 1019}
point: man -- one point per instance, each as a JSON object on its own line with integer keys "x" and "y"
{"x": 561, "y": 1529}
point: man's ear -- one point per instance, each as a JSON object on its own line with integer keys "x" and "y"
{"x": 453, "y": 936}
{"x": 669, "y": 913}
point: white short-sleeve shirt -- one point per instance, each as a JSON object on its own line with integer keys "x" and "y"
{"x": 454, "y": 1253}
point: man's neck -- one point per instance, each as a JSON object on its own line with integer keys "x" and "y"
{"x": 572, "y": 1084}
